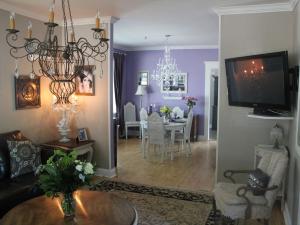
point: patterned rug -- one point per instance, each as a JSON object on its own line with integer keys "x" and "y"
{"x": 162, "y": 206}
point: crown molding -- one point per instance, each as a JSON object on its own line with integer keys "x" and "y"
{"x": 162, "y": 47}
{"x": 91, "y": 20}
{"x": 20, "y": 11}
{"x": 260, "y": 8}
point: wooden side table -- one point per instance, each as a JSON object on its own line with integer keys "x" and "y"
{"x": 82, "y": 147}
{"x": 92, "y": 208}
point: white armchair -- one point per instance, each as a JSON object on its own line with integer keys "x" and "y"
{"x": 237, "y": 201}
{"x": 178, "y": 112}
{"x": 130, "y": 117}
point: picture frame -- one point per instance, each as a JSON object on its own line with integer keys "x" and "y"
{"x": 82, "y": 134}
{"x": 143, "y": 78}
{"x": 85, "y": 83}
{"x": 27, "y": 92}
{"x": 176, "y": 87}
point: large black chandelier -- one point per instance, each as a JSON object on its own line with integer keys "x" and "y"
{"x": 61, "y": 61}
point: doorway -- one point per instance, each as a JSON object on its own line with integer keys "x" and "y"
{"x": 211, "y": 99}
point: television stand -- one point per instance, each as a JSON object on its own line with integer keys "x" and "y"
{"x": 265, "y": 112}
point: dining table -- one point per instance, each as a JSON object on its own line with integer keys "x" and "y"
{"x": 171, "y": 126}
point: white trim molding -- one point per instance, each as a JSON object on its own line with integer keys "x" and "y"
{"x": 106, "y": 172}
{"x": 286, "y": 215}
{"x": 160, "y": 47}
{"x": 258, "y": 8}
{"x": 209, "y": 66}
{"x": 91, "y": 20}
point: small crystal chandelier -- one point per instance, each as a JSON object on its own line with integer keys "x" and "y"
{"x": 62, "y": 61}
{"x": 166, "y": 72}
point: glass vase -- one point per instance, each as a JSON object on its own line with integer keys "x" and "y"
{"x": 68, "y": 204}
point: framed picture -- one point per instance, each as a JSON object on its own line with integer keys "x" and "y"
{"x": 27, "y": 92}
{"x": 144, "y": 78}
{"x": 175, "y": 86}
{"x": 85, "y": 83}
{"x": 82, "y": 134}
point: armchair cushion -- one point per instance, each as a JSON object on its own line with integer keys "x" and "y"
{"x": 226, "y": 192}
{"x": 257, "y": 181}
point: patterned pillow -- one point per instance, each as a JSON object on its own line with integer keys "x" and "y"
{"x": 24, "y": 157}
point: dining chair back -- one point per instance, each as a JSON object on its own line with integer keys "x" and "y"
{"x": 188, "y": 126}
{"x": 143, "y": 114}
{"x": 156, "y": 130}
{"x": 129, "y": 112}
{"x": 130, "y": 117}
{"x": 178, "y": 112}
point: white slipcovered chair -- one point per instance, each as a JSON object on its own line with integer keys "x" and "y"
{"x": 185, "y": 137}
{"x": 143, "y": 121}
{"x": 157, "y": 134}
{"x": 130, "y": 117}
{"x": 178, "y": 112}
{"x": 237, "y": 201}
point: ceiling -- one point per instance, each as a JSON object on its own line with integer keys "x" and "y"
{"x": 143, "y": 23}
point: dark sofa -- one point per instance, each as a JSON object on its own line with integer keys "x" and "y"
{"x": 16, "y": 190}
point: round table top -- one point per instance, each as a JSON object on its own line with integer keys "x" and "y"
{"x": 92, "y": 208}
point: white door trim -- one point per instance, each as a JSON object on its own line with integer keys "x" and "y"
{"x": 209, "y": 66}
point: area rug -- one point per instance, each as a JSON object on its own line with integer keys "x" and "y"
{"x": 162, "y": 206}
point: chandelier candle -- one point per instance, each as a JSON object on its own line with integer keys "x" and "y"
{"x": 12, "y": 21}
{"x": 51, "y": 12}
{"x": 29, "y": 30}
{"x": 98, "y": 20}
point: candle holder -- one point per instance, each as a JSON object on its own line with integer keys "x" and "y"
{"x": 51, "y": 24}
{"x": 98, "y": 30}
{"x": 12, "y": 31}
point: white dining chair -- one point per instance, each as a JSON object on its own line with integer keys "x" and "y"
{"x": 143, "y": 121}
{"x": 185, "y": 137}
{"x": 130, "y": 117}
{"x": 157, "y": 135}
{"x": 178, "y": 112}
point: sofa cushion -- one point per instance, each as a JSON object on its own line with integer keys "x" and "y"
{"x": 5, "y": 161}
{"x": 24, "y": 157}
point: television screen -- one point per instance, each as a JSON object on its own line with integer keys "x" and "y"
{"x": 259, "y": 81}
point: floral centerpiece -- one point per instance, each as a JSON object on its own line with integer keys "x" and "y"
{"x": 190, "y": 101}
{"x": 166, "y": 111}
{"x": 62, "y": 175}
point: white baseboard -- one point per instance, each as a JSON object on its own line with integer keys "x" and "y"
{"x": 202, "y": 138}
{"x": 287, "y": 215}
{"x": 106, "y": 172}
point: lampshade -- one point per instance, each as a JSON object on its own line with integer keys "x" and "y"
{"x": 140, "y": 90}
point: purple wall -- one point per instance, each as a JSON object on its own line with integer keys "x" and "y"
{"x": 189, "y": 61}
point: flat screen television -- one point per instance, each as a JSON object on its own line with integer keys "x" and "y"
{"x": 259, "y": 81}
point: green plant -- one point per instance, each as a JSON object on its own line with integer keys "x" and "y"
{"x": 63, "y": 173}
{"x": 166, "y": 110}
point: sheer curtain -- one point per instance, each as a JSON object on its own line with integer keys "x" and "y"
{"x": 118, "y": 83}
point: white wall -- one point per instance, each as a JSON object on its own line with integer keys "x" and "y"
{"x": 242, "y": 35}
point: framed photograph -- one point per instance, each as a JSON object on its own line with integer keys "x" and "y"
{"x": 82, "y": 134}
{"x": 144, "y": 78}
{"x": 27, "y": 92}
{"x": 85, "y": 83}
{"x": 175, "y": 86}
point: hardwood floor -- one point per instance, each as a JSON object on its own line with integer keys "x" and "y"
{"x": 194, "y": 173}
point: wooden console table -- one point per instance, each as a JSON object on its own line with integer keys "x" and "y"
{"x": 82, "y": 147}
{"x": 92, "y": 207}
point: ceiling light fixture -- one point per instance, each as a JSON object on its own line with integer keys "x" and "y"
{"x": 167, "y": 71}
{"x": 60, "y": 62}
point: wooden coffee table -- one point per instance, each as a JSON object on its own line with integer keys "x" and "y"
{"x": 92, "y": 208}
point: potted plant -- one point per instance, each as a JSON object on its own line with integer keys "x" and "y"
{"x": 190, "y": 102}
{"x": 166, "y": 111}
{"x": 62, "y": 175}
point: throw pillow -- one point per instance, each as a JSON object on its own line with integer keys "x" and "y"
{"x": 24, "y": 157}
{"x": 258, "y": 180}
